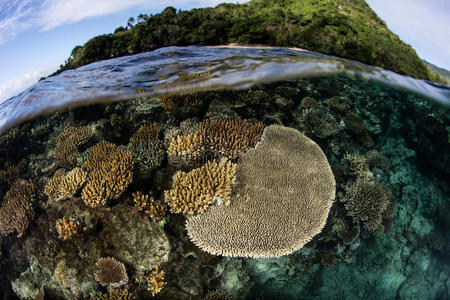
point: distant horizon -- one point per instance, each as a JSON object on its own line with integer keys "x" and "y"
{"x": 35, "y": 38}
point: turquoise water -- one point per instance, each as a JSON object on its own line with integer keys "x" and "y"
{"x": 384, "y": 140}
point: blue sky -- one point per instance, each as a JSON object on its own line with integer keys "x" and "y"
{"x": 36, "y": 36}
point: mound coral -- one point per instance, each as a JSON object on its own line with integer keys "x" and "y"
{"x": 16, "y": 211}
{"x": 193, "y": 192}
{"x": 65, "y": 152}
{"x": 284, "y": 191}
{"x": 147, "y": 205}
{"x": 155, "y": 281}
{"x": 366, "y": 202}
{"x": 109, "y": 173}
{"x": 111, "y": 272}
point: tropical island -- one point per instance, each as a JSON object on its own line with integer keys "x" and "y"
{"x": 348, "y": 29}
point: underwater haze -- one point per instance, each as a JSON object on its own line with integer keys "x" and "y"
{"x": 226, "y": 173}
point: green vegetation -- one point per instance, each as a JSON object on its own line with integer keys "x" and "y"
{"x": 345, "y": 28}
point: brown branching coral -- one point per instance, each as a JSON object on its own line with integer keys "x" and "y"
{"x": 321, "y": 123}
{"x": 114, "y": 294}
{"x": 284, "y": 192}
{"x": 155, "y": 281}
{"x": 110, "y": 272}
{"x": 148, "y": 205}
{"x": 16, "y": 211}
{"x": 357, "y": 165}
{"x": 67, "y": 228}
{"x": 146, "y": 133}
{"x": 109, "y": 173}
{"x": 65, "y": 152}
{"x": 171, "y": 102}
{"x": 366, "y": 202}
{"x": 186, "y": 150}
{"x": 193, "y": 192}
{"x": 229, "y": 137}
{"x": 59, "y": 187}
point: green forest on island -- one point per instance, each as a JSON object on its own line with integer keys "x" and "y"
{"x": 344, "y": 28}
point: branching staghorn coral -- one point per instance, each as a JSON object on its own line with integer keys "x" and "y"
{"x": 147, "y": 205}
{"x": 110, "y": 272}
{"x": 320, "y": 123}
{"x": 186, "y": 150}
{"x": 113, "y": 294}
{"x": 16, "y": 212}
{"x": 59, "y": 187}
{"x": 155, "y": 281}
{"x": 193, "y": 192}
{"x": 65, "y": 152}
{"x": 284, "y": 192}
{"x": 171, "y": 102}
{"x": 357, "y": 165}
{"x": 229, "y": 137}
{"x": 146, "y": 133}
{"x": 147, "y": 150}
{"x": 366, "y": 202}
{"x": 109, "y": 173}
{"x": 67, "y": 228}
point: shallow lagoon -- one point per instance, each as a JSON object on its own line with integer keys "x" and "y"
{"x": 383, "y": 145}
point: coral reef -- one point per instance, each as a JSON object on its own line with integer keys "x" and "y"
{"x": 148, "y": 205}
{"x": 16, "y": 211}
{"x": 366, "y": 202}
{"x": 146, "y": 133}
{"x": 155, "y": 281}
{"x": 284, "y": 191}
{"x": 195, "y": 191}
{"x": 113, "y": 294}
{"x": 109, "y": 174}
{"x": 321, "y": 123}
{"x": 59, "y": 187}
{"x": 110, "y": 272}
{"x": 67, "y": 228}
{"x": 65, "y": 152}
{"x": 229, "y": 137}
{"x": 186, "y": 150}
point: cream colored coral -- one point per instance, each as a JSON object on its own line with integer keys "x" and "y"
{"x": 186, "y": 150}
{"x": 284, "y": 192}
{"x": 193, "y": 192}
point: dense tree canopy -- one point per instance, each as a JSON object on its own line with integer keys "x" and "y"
{"x": 347, "y": 28}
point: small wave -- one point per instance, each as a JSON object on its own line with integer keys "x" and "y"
{"x": 193, "y": 69}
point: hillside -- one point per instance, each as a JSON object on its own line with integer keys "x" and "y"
{"x": 442, "y": 73}
{"x": 345, "y": 28}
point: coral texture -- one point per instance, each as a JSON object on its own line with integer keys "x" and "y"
{"x": 186, "y": 150}
{"x": 146, "y": 133}
{"x": 147, "y": 205}
{"x": 114, "y": 294}
{"x": 284, "y": 191}
{"x": 321, "y": 123}
{"x": 59, "y": 187}
{"x": 229, "y": 137}
{"x": 16, "y": 212}
{"x": 366, "y": 202}
{"x": 155, "y": 281}
{"x": 193, "y": 192}
{"x": 110, "y": 272}
{"x": 67, "y": 142}
{"x": 67, "y": 228}
{"x": 109, "y": 173}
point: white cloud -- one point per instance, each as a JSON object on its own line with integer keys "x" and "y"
{"x": 14, "y": 18}
{"x": 16, "y": 85}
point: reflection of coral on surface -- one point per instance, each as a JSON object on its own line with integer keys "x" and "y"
{"x": 193, "y": 192}
{"x": 67, "y": 228}
{"x": 110, "y": 272}
{"x": 147, "y": 205}
{"x": 109, "y": 173}
{"x": 284, "y": 192}
{"x": 16, "y": 212}
{"x": 155, "y": 281}
{"x": 67, "y": 142}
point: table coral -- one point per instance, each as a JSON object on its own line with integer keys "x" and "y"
{"x": 193, "y": 192}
